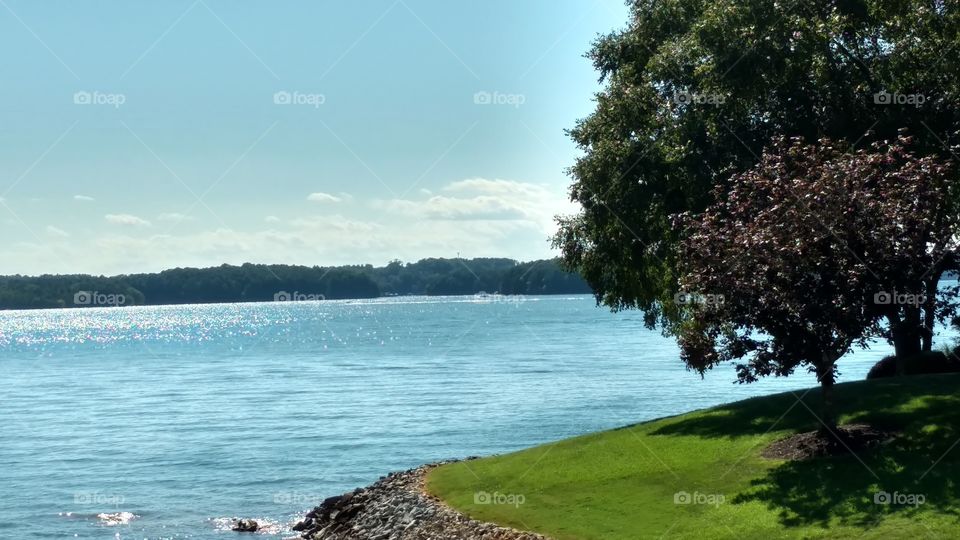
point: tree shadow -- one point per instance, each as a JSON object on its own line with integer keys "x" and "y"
{"x": 917, "y": 471}
{"x": 878, "y": 402}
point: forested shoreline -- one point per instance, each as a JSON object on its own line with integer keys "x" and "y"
{"x": 261, "y": 283}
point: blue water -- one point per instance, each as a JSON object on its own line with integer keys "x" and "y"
{"x": 186, "y": 416}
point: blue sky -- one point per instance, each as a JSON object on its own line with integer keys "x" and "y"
{"x": 138, "y": 136}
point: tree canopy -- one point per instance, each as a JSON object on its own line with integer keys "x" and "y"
{"x": 695, "y": 89}
{"x": 811, "y": 251}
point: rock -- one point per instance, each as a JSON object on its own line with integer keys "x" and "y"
{"x": 246, "y": 525}
{"x": 331, "y": 502}
{"x": 397, "y": 507}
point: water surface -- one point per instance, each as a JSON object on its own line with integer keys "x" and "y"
{"x": 185, "y": 416}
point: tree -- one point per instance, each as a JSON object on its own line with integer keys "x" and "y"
{"x": 695, "y": 89}
{"x": 792, "y": 269}
{"x": 263, "y": 283}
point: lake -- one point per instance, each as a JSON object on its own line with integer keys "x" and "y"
{"x": 186, "y": 416}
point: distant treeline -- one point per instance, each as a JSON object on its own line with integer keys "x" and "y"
{"x": 260, "y": 283}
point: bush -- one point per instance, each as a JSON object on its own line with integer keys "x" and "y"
{"x": 923, "y": 363}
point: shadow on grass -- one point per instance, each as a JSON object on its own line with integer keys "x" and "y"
{"x": 883, "y": 403}
{"x": 921, "y": 465}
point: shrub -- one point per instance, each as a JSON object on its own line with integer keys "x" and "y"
{"x": 920, "y": 364}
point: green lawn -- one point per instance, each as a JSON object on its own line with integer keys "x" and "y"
{"x": 622, "y": 483}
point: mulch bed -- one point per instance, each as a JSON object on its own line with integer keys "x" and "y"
{"x": 848, "y": 438}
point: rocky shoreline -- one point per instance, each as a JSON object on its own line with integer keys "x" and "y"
{"x": 398, "y": 507}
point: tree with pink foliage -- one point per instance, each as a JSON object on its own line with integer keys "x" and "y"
{"x": 814, "y": 251}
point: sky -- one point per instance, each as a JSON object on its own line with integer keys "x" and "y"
{"x": 138, "y": 135}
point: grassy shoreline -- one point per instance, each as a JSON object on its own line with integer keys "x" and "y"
{"x": 632, "y": 482}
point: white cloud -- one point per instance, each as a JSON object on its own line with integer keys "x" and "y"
{"x": 55, "y": 231}
{"x": 83, "y": 198}
{"x": 482, "y": 185}
{"x": 174, "y": 216}
{"x": 305, "y": 240}
{"x": 335, "y": 223}
{"x": 324, "y": 198}
{"x": 476, "y": 217}
{"x": 479, "y": 199}
{"x": 126, "y": 219}
{"x": 451, "y": 208}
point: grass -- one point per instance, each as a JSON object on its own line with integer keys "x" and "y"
{"x": 621, "y": 484}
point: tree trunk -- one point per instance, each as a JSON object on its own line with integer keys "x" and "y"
{"x": 828, "y": 416}
{"x": 907, "y": 341}
{"x": 929, "y": 310}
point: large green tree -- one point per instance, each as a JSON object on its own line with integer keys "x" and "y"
{"x": 695, "y": 89}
